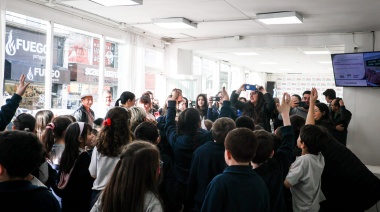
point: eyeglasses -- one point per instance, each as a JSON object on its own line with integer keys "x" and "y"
{"x": 161, "y": 164}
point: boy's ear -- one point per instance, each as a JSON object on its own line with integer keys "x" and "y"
{"x": 228, "y": 155}
{"x": 158, "y": 140}
{"x": 80, "y": 139}
{"x": 271, "y": 154}
{"x": 2, "y": 170}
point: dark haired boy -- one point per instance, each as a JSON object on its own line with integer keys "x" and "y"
{"x": 239, "y": 187}
{"x": 208, "y": 161}
{"x": 20, "y": 154}
{"x": 245, "y": 121}
{"x": 304, "y": 177}
{"x": 273, "y": 167}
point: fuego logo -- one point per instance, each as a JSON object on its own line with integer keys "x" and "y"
{"x": 30, "y": 74}
{"x": 10, "y": 47}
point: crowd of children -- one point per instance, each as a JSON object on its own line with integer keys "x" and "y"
{"x": 129, "y": 161}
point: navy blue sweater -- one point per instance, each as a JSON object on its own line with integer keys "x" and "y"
{"x": 238, "y": 188}
{"x": 208, "y": 161}
{"x": 8, "y": 110}
{"x": 275, "y": 170}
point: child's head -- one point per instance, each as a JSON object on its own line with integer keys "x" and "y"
{"x": 245, "y": 121}
{"x": 115, "y": 132}
{"x": 43, "y": 117}
{"x": 20, "y": 153}
{"x": 98, "y": 123}
{"x": 241, "y": 143}
{"x": 135, "y": 174}
{"x": 147, "y": 131}
{"x": 208, "y": 124}
{"x": 188, "y": 122}
{"x": 221, "y": 128}
{"x": 313, "y": 139}
{"x": 78, "y": 135}
{"x": 24, "y": 122}
{"x": 138, "y": 116}
{"x": 55, "y": 130}
{"x": 264, "y": 148}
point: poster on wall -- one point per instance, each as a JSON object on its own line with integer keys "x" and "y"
{"x": 297, "y": 85}
{"x": 79, "y": 48}
{"x": 109, "y": 60}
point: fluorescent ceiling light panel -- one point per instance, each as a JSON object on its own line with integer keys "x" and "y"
{"x": 174, "y": 23}
{"x": 110, "y": 3}
{"x": 316, "y": 52}
{"x": 284, "y": 69}
{"x": 325, "y": 62}
{"x": 245, "y": 53}
{"x": 268, "y": 63}
{"x": 280, "y": 18}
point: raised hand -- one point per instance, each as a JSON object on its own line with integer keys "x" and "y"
{"x": 285, "y": 105}
{"x": 225, "y": 95}
{"x": 313, "y": 95}
{"x": 22, "y": 86}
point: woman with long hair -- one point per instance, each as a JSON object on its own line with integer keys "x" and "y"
{"x": 75, "y": 190}
{"x": 259, "y": 107}
{"x": 201, "y": 105}
{"x": 113, "y": 136}
{"x": 184, "y": 137}
{"x": 43, "y": 117}
{"x": 133, "y": 183}
{"x": 127, "y": 99}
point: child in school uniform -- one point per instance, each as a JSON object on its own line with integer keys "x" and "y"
{"x": 304, "y": 177}
{"x": 239, "y": 187}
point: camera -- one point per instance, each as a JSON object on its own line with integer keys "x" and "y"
{"x": 301, "y": 104}
{"x": 215, "y": 98}
{"x": 250, "y": 87}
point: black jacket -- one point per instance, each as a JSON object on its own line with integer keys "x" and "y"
{"x": 81, "y": 115}
{"x": 21, "y": 195}
{"x": 8, "y": 110}
{"x": 266, "y": 110}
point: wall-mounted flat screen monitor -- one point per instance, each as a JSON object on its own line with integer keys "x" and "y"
{"x": 356, "y": 69}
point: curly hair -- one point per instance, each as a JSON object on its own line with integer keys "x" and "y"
{"x": 116, "y": 135}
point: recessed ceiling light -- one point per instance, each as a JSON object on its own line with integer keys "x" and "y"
{"x": 316, "y": 52}
{"x": 245, "y": 53}
{"x": 280, "y": 18}
{"x": 174, "y": 23}
{"x": 110, "y": 3}
{"x": 268, "y": 63}
{"x": 324, "y": 62}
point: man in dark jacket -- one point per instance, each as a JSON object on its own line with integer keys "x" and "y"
{"x": 341, "y": 117}
{"x": 9, "y": 109}
{"x": 84, "y": 113}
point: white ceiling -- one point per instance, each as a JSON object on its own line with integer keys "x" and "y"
{"x": 227, "y": 18}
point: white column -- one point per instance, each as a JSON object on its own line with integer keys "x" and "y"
{"x": 216, "y": 78}
{"x": 102, "y": 54}
{"x": 49, "y": 63}
{"x": 2, "y": 47}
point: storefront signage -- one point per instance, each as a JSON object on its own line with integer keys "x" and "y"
{"x": 27, "y": 46}
{"x": 90, "y": 74}
{"x": 60, "y": 75}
